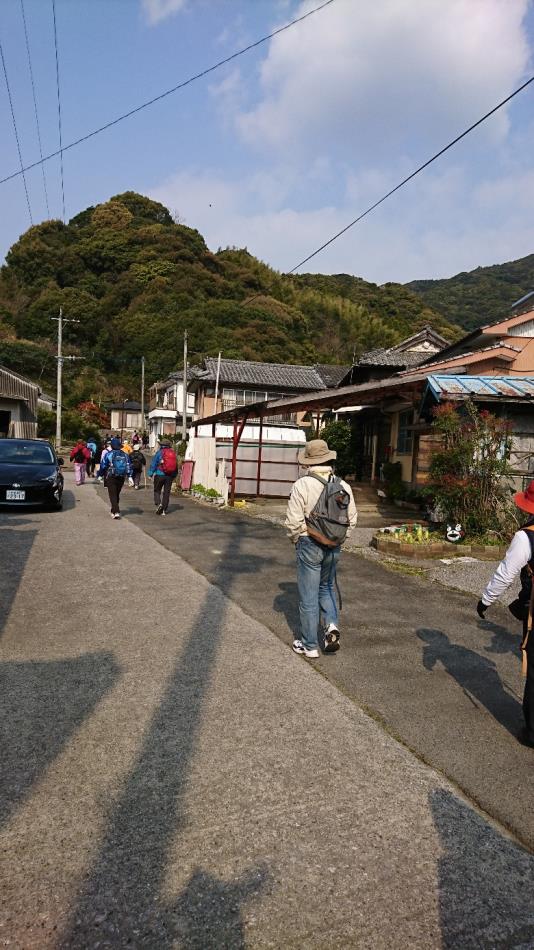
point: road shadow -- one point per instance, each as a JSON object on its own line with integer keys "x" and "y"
{"x": 287, "y": 603}
{"x": 502, "y": 640}
{"x": 15, "y": 547}
{"x": 121, "y": 902}
{"x": 41, "y": 705}
{"x": 476, "y": 676}
{"x": 485, "y": 881}
{"x": 69, "y": 500}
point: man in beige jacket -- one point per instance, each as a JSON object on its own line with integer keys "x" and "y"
{"x": 316, "y": 563}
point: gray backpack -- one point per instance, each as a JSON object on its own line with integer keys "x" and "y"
{"x": 328, "y": 523}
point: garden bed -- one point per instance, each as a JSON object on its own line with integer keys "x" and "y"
{"x": 434, "y": 547}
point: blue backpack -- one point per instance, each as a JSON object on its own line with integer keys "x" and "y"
{"x": 118, "y": 463}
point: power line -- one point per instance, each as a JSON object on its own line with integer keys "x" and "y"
{"x": 412, "y": 175}
{"x": 34, "y": 102}
{"x": 58, "y": 112}
{"x": 22, "y": 170}
{"x": 168, "y": 92}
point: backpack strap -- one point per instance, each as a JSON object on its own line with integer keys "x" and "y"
{"x": 324, "y": 481}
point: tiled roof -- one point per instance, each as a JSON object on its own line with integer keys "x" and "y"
{"x": 331, "y": 374}
{"x": 275, "y": 375}
{"x": 392, "y": 357}
{"x": 128, "y": 405}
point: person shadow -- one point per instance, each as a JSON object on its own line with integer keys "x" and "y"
{"x": 210, "y": 910}
{"x": 502, "y": 640}
{"x": 476, "y": 675}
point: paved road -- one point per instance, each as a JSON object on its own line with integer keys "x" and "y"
{"x": 415, "y": 656}
{"x": 173, "y": 776}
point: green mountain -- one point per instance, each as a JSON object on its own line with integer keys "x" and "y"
{"x": 134, "y": 280}
{"x": 480, "y": 296}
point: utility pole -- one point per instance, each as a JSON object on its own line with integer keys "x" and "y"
{"x": 59, "y": 378}
{"x": 143, "y": 392}
{"x": 60, "y": 358}
{"x": 184, "y": 400}
{"x": 217, "y": 381}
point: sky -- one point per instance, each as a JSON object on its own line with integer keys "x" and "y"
{"x": 284, "y": 146}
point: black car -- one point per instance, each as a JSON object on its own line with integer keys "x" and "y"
{"x": 30, "y": 473}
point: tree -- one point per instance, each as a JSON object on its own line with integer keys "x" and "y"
{"x": 339, "y": 436}
{"x": 93, "y": 414}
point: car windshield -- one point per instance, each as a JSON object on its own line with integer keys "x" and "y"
{"x": 25, "y": 453}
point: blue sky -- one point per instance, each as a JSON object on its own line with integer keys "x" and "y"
{"x": 283, "y": 147}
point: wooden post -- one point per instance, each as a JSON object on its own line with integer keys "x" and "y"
{"x": 213, "y": 424}
{"x": 236, "y": 438}
{"x": 260, "y": 444}
{"x": 234, "y": 464}
{"x": 318, "y": 427}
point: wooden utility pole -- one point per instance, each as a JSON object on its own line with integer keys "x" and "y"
{"x": 184, "y": 400}
{"x": 60, "y": 358}
{"x": 217, "y": 382}
{"x": 59, "y": 378}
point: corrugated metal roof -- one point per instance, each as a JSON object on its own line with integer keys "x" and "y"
{"x": 445, "y": 386}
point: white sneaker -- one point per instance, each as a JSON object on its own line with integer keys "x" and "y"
{"x": 298, "y": 647}
{"x": 116, "y": 516}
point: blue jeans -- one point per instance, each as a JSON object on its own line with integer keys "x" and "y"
{"x": 316, "y": 571}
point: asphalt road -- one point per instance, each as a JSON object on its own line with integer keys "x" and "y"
{"x": 174, "y": 776}
{"x": 414, "y": 655}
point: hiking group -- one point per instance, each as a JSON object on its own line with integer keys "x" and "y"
{"x": 320, "y": 516}
{"x": 121, "y": 460}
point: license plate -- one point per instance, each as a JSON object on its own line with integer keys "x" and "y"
{"x": 15, "y": 495}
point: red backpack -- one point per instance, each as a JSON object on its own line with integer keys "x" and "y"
{"x": 169, "y": 463}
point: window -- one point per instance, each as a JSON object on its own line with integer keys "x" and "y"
{"x": 405, "y": 434}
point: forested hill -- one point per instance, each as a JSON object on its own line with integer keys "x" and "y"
{"x": 480, "y": 296}
{"x": 135, "y": 280}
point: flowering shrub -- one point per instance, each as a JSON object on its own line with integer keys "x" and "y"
{"x": 92, "y": 413}
{"x": 468, "y": 472}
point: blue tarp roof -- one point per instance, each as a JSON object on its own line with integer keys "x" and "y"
{"x": 444, "y": 386}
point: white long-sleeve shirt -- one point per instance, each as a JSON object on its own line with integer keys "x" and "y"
{"x": 516, "y": 558}
{"x": 304, "y": 496}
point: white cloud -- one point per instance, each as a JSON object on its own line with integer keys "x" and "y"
{"x": 435, "y": 227}
{"x": 158, "y": 10}
{"x": 358, "y": 79}
{"x": 348, "y": 104}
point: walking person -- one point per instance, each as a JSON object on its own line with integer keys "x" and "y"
{"x": 145, "y": 440}
{"x": 90, "y": 464}
{"x": 320, "y": 515}
{"x": 138, "y": 461}
{"x": 80, "y": 455}
{"x": 135, "y": 439}
{"x": 164, "y": 469}
{"x": 105, "y": 451}
{"x": 115, "y": 467}
{"x": 519, "y": 560}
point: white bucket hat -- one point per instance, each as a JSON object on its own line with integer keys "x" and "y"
{"x": 316, "y": 452}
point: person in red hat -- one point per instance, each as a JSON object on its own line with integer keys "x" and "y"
{"x": 519, "y": 559}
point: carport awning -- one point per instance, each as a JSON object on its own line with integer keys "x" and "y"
{"x": 321, "y": 400}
